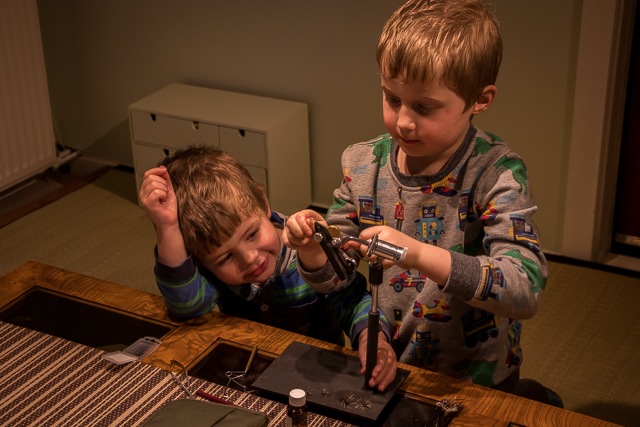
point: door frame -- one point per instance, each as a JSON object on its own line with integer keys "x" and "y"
{"x": 596, "y": 128}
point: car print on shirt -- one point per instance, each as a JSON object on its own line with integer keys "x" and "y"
{"x": 407, "y": 279}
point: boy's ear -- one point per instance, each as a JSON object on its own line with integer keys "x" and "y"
{"x": 485, "y": 99}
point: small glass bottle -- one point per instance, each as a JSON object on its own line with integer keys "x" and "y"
{"x": 297, "y": 408}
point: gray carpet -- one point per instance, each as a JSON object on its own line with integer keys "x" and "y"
{"x": 98, "y": 230}
{"x": 584, "y": 343}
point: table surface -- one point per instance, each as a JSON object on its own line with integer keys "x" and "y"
{"x": 189, "y": 341}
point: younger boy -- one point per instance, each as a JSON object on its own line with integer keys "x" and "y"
{"x": 458, "y": 198}
{"x": 219, "y": 244}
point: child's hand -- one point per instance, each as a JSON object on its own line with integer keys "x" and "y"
{"x": 158, "y": 198}
{"x": 385, "y": 370}
{"x": 389, "y": 235}
{"x": 431, "y": 260}
{"x": 300, "y": 228}
{"x": 298, "y": 235}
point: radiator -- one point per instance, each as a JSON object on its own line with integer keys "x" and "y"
{"x": 27, "y": 141}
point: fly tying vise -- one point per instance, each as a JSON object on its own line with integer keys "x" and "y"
{"x": 332, "y": 241}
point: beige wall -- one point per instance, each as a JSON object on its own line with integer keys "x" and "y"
{"x": 104, "y": 55}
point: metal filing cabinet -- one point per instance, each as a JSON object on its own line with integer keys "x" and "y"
{"x": 269, "y": 136}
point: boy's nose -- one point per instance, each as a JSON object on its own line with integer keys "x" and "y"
{"x": 248, "y": 256}
{"x": 405, "y": 119}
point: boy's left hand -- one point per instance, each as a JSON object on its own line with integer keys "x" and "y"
{"x": 385, "y": 370}
{"x": 298, "y": 235}
{"x": 299, "y": 229}
{"x": 430, "y": 260}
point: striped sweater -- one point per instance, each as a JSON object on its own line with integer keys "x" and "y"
{"x": 285, "y": 300}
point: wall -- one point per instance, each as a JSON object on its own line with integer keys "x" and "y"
{"x": 103, "y": 56}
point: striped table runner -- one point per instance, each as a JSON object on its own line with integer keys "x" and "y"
{"x": 49, "y": 381}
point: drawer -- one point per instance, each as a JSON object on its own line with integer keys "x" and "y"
{"x": 248, "y": 147}
{"x": 146, "y": 157}
{"x": 172, "y": 132}
{"x": 260, "y": 175}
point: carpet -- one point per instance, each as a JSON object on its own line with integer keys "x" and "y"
{"x": 98, "y": 230}
{"x": 584, "y": 343}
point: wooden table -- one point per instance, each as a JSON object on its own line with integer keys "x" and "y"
{"x": 189, "y": 341}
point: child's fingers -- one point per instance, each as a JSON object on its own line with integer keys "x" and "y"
{"x": 154, "y": 185}
{"x": 303, "y": 226}
{"x": 388, "y": 371}
{"x": 369, "y": 232}
{"x": 158, "y": 171}
{"x": 306, "y": 220}
{"x": 385, "y": 370}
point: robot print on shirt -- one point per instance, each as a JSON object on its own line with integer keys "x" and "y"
{"x": 463, "y": 207}
{"x": 429, "y": 227}
{"x": 424, "y": 347}
{"x": 399, "y": 212}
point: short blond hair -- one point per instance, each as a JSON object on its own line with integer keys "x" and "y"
{"x": 215, "y": 194}
{"x": 456, "y": 42}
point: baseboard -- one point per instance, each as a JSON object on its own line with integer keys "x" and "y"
{"x": 593, "y": 265}
{"x": 320, "y": 209}
{"x": 125, "y": 168}
{"x": 70, "y": 185}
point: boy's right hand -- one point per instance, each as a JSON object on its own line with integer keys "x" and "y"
{"x": 158, "y": 198}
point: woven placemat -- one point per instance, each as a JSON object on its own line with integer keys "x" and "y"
{"x": 45, "y": 380}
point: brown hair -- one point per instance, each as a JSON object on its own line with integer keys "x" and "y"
{"x": 455, "y": 41}
{"x": 215, "y": 193}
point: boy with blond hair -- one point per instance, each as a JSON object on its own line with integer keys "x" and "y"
{"x": 219, "y": 245}
{"x": 455, "y": 196}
